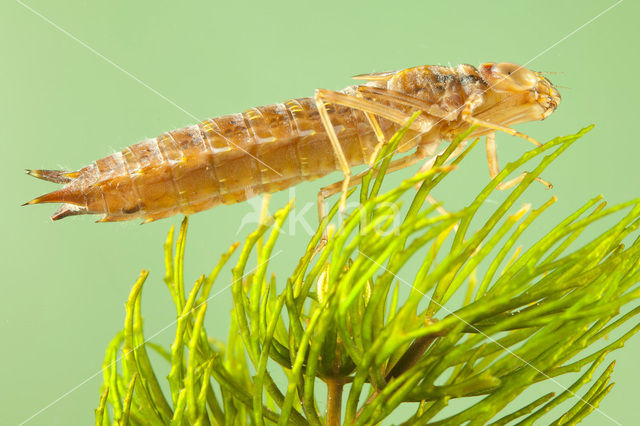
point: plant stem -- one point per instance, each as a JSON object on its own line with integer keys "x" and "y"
{"x": 408, "y": 360}
{"x": 334, "y": 402}
{"x": 411, "y": 356}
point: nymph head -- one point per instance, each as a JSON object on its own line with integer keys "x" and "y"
{"x": 506, "y": 77}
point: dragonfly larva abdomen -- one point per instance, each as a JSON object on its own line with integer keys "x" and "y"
{"x": 220, "y": 160}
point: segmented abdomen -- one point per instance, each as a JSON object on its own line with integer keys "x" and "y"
{"x": 221, "y": 160}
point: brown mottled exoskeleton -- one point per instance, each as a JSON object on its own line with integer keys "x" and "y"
{"x": 266, "y": 149}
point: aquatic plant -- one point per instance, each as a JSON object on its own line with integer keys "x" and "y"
{"x": 339, "y": 341}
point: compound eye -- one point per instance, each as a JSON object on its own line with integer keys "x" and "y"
{"x": 514, "y": 77}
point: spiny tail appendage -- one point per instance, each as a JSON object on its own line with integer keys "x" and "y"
{"x": 70, "y": 195}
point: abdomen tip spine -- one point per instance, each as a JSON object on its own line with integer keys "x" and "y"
{"x": 56, "y": 176}
{"x": 68, "y": 210}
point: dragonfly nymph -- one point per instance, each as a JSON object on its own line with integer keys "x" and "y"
{"x": 228, "y": 159}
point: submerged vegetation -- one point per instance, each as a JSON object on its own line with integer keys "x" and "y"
{"x": 339, "y": 340}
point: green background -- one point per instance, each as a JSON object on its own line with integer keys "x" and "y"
{"x": 62, "y": 106}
